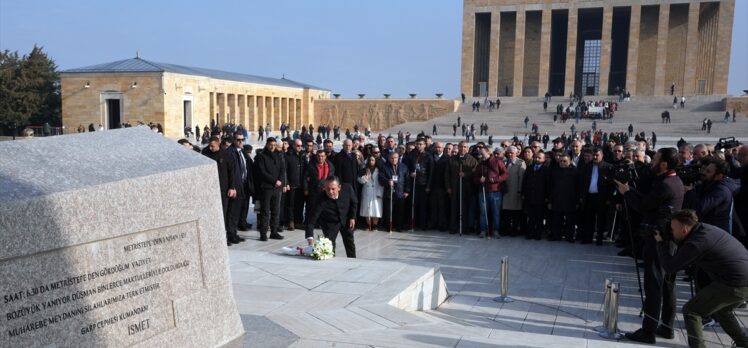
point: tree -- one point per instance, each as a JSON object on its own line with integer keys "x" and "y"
{"x": 29, "y": 89}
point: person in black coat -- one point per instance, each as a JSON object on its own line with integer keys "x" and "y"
{"x": 439, "y": 200}
{"x": 249, "y": 190}
{"x": 318, "y": 170}
{"x": 595, "y": 190}
{"x": 393, "y": 176}
{"x": 241, "y": 184}
{"x": 294, "y": 169}
{"x": 225, "y": 175}
{"x": 335, "y": 212}
{"x": 346, "y": 165}
{"x": 421, "y": 166}
{"x": 534, "y": 194}
{"x": 272, "y": 178}
{"x": 563, "y": 187}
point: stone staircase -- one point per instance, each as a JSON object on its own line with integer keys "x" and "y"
{"x": 642, "y": 112}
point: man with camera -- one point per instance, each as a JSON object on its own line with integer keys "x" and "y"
{"x": 723, "y": 258}
{"x": 712, "y": 198}
{"x": 664, "y": 197}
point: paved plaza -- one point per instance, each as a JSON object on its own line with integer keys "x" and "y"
{"x": 558, "y": 288}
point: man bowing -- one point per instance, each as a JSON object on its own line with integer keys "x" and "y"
{"x": 335, "y": 211}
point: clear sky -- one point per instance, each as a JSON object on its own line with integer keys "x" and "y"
{"x": 347, "y": 46}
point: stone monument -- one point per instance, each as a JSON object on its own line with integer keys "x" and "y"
{"x": 112, "y": 239}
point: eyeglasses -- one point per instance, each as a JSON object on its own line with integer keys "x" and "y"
{"x": 238, "y": 139}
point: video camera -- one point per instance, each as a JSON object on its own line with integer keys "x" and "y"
{"x": 689, "y": 174}
{"x": 623, "y": 172}
{"x": 651, "y": 230}
{"x": 726, "y": 144}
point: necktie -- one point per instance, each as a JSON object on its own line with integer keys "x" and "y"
{"x": 243, "y": 164}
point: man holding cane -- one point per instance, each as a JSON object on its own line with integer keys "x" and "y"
{"x": 490, "y": 175}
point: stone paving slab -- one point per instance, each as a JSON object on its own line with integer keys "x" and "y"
{"x": 558, "y": 288}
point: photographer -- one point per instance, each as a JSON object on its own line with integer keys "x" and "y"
{"x": 712, "y": 199}
{"x": 723, "y": 258}
{"x": 665, "y": 196}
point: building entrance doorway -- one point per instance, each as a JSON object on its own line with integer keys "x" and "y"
{"x": 113, "y": 113}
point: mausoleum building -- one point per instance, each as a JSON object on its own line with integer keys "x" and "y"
{"x": 530, "y": 47}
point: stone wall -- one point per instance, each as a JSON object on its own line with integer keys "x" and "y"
{"x": 379, "y": 114}
{"x": 739, "y": 104}
{"x": 84, "y": 97}
{"x": 160, "y": 98}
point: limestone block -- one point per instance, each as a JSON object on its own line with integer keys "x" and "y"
{"x": 106, "y": 244}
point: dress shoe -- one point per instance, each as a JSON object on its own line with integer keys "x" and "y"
{"x": 243, "y": 228}
{"x": 263, "y": 237}
{"x": 625, "y": 252}
{"x": 641, "y": 336}
{"x": 291, "y": 226}
{"x": 664, "y": 332}
{"x": 275, "y": 236}
{"x": 240, "y": 238}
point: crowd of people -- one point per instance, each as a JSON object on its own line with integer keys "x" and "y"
{"x": 588, "y": 187}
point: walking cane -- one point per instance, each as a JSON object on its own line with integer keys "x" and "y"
{"x": 391, "y": 189}
{"x": 460, "y": 179}
{"x": 413, "y": 206}
{"x": 485, "y": 207}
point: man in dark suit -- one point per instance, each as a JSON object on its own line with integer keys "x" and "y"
{"x": 250, "y": 190}
{"x": 241, "y": 184}
{"x": 535, "y": 194}
{"x": 421, "y": 166}
{"x": 272, "y": 177}
{"x": 393, "y": 176}
{"x": 294, "y": 169}
{"x": 594, "y": 197}
{"x": 563, "y": 187}
{"x": 225, "y": 177}
{"x": 439, "y": 201}
{"x": 346, "y": 165}
{"x": 335, "y": 211}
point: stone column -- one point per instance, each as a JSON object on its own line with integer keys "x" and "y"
{"x": 223, "y": 107}
{"x": 545, "y": 52}
{"x": 468, "y": 51}
{"x": 252, "y": 112}
{"x": 632, "y": 67}
{"x": 724, "y": 36}
{"x": 292, "y": 113}
{"x": 605, "y": 50}
{"x": 519, "y": 53}
{"x": 271, "y": 114}
{"x": 692, "y": 45}
{"x": 261, "y": 112}
{"x": 284, "y": 110}
{"x": 662, "y": 87}
{"x": 213, "y": 107}
{"x": 571, "y": 51}
{"x": 245, "y": 110}
{"x": 493, "y": 55}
